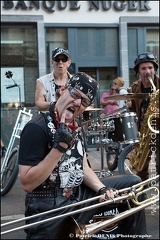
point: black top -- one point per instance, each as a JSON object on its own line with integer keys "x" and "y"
{"x": 35, "y": 144}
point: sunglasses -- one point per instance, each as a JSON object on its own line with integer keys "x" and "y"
{"x": 60, "y": 59}
{"x": 76, "y": 95}
{"x": 149, "y": 56}
{"x": 113, "y": 89}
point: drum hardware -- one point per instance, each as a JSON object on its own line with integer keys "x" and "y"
{"x": 118, "y": 111}
{"x": 94, "y": 126}
{"x": 107, "y": 141}
{"x": 106, "y": 116}
{"x": 111, "y": 126}
{"x": 104, "y": 125}
{"x": 103, "y": 141}
{"x": 131, "y": 193}
{"x": 102, "y": 172}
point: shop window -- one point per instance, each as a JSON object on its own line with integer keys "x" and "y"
{"x": 18, "y": 55}
{"x": 152, "y": 41}
{"x": 141, "y": 39}
{"x": 97, "y": 42}
{"x": 106, "y": 77}
{"x": 19, "y": 51}
{"x": 132, "y": 41}
{"x": 55, "y": 38}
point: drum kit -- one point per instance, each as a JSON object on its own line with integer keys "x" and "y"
{"x": 116, "y": 127}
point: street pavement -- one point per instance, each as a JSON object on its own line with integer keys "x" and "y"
{"x": 12, "y": 204}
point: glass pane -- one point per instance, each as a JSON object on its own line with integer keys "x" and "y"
{"x": 132, "y": 76}
{"x": 89, "y": 71}
{"x": 19, "y": 51}
{"x": 132, "y": 42}
{"x": 55, "y": 38}
{"x": 97, "y": 42}
{"x": 152, "y": 41}
{"x": 106, "y": 77}
{"x": 18, "y": 55}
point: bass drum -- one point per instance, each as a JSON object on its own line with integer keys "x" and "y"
{"x": 125, "y": 129}
{"x": 124, "y": 164}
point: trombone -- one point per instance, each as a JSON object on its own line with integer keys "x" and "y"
{"x": 132, "y": 193}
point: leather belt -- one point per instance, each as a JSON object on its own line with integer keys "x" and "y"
{"x": 65, "y": 192}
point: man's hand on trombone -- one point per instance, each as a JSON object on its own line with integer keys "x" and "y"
{"x": 108, "y": 194}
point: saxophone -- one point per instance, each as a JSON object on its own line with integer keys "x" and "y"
{"x": 148, "y": 131}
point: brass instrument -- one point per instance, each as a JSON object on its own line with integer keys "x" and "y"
{"x": 151, "y": 119}
{"x": 154, "y": 115}
{"x": 139, "y": 155}
{"x": 132, "y": 193}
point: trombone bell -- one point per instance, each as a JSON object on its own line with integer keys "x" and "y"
{"x": 87, "y": 231}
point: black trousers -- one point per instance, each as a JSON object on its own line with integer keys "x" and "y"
{"x": 63, "y": 228}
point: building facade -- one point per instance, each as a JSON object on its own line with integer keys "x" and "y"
{"x": 103, "y": 38}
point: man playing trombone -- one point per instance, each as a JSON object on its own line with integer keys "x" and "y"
{"x": 54, "y": 171}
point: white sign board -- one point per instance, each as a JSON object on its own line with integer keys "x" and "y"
{"x": 15, "y": 94}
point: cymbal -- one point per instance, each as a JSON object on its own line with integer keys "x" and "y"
{"x": 129, "y": 96}
{"x": 93, "y": 109}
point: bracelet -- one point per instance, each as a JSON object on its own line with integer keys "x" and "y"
{"x": 101, "y": 191}
{"x": 59, "y": 148}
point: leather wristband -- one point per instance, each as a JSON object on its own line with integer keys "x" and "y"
{"x": 102, "y": 190}
{"x": 60, "y": 148}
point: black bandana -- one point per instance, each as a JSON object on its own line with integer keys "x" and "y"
{"x": 84, "y": 83}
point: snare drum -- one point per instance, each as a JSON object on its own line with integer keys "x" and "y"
{"x": 126, "y": 130}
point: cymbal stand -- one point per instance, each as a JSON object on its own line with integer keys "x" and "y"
{"x": 102, "y": 172}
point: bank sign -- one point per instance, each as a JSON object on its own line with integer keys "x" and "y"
{"x": 51, "y": 6}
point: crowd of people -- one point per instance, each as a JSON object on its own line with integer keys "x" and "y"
{"x": 53, "y": 166}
